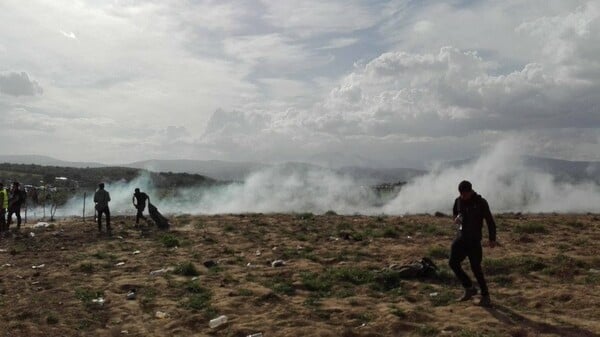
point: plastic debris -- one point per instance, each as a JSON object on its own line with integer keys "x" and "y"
{"x": 433, "y": 294}
{"x": 41, "y": 225}
{"x": 258, "y": 334}
{"x": 32, "y": 234}
{"x": 161, "y": 271}
{"x": 99, "y": 300}
{"x": 136, "y": 252}
{"x": 38, "y": 266}
{"x": 278, "y": 263}
{"x": 120, "y": 264}
{"x": 215, "y": 322}
{"x": 131, "y": 294}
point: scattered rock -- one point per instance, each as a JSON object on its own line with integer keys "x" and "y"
{"x": 161, "y": 315}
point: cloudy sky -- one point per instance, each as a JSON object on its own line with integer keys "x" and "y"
{"x": 380, "y": 83}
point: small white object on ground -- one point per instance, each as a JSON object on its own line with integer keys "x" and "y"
{"x": 258, "y": 334}
{"x": 99, "y": 300}
{"x": 38, "y": 266}
{"x": 433, "y": 294}
{"x": 161, "y": 271}
{"x": 161, "y": 315}
{"x": 41, "y": 225}
{"x": 120, "y": 264}
{"x": 215, "y": 322}
{"x": 277, "y": 263}
{"x": 136, "y": 252}
{"x": 32, "y": 234}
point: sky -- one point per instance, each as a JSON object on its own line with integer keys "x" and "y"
{"x": 342, "y": 82}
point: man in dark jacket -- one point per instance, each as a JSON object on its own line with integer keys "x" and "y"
{"x": 139, "y": 202}
{"x": 15, "y": 201}
{"x": 469, "y": 210}
{"x": 101, "y": 198}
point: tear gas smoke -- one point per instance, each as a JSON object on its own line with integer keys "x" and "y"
{"x": 499, "y": 175}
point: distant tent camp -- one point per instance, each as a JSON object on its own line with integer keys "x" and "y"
{"x": 160, "y": 221}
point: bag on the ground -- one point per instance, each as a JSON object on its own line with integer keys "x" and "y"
{"x": 160, "y": 221}
{"x": 417, "y": 269}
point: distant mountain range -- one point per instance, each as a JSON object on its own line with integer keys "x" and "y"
{"x": 563, "y": 170}
{"x": 45, "y": 161}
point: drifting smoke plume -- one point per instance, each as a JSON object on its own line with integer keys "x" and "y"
{"x": 500, "y": 176}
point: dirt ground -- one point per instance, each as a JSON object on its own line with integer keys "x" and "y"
{"x": 544, "y": 279}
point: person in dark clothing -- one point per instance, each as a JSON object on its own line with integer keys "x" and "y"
{"x": 101, "y": 198}
{"x": 469, "y": 210}
{"x": 139, "y": 202}
{"x": 15, "y": 201}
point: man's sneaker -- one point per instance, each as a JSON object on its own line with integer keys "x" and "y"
{"x": 485, "y": 301}
{"x": 469, "y": 293}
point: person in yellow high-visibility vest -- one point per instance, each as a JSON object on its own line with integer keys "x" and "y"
{"x": 3, "y": 207}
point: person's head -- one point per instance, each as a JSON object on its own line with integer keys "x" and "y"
{"x": 101, "y": 186}
{"x": 137, "y": 190}
{"x": 15, "y": 185}
{"x": 465, "y": 189}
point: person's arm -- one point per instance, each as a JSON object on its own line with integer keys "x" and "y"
{"x": 133, "y": 200}
{"x": 455, "y": 208}
{"x": 107, "y": 197}
{"x": 489, "y": 220}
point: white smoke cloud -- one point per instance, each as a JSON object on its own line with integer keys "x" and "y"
{"x": 499, "y": 175}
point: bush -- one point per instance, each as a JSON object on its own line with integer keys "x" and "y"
{"x": 169, "y": 241}
{"x": 187, "y": 269}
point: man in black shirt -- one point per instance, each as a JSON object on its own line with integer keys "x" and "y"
{"x": 139, "y": 202}
{"x": 469, "y": 211}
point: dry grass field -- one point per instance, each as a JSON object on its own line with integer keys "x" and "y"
{"x": 544, "y": 279}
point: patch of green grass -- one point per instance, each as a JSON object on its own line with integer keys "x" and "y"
{"x": 443, "y": 298}
{"x": 245, "y": 292}
{"x": 564, "y": 267}
{"x": 503, "y": 280}
{"x": 169, "y": 241}
{"x": 100, "y": 255}
{"x": 592, "y": 279}
{"x": 352, "y": 275}
{"x": 469, "y": 333}
{"x": 427, "y": 330}
{"x": 390, "y": 232}
{"x": 398, "y": 312}
{"x": 317, "y": 282}
{"x": 531, "y": 228}
{"x": 387, "y": 280}
{"x": 312, "y": 301}
{"x": 86, "y": 295}
{"x": 147, "y": 296}
{"x": 439, "y": 252}
{"x": 186, "y": 269}
{"x": 280, "y": 284}
{"x": 86, "y": 267}
{"x": 521, "y": 263}
{"x": 52, "y": 319}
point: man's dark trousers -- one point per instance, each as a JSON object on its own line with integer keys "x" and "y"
{"x": 461, "y": 249}
{"x": 106, "y": 212}
{"x": 17, "y": 212}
